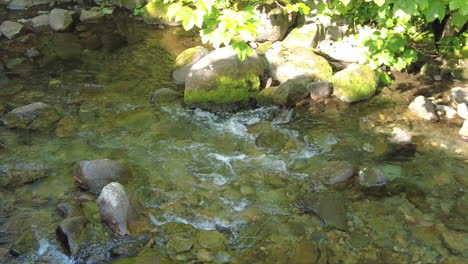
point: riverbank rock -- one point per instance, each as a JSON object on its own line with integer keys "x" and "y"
{"x": 370, "y": 177}
{"x": 221, "y": 79}
{"x": 165, "y": 95}
{"x": 20, "y": 173}
{"x": 464, "y": 130}
{"x": 37, "y": 116}
{"x": 40, "y": 21}
{"x": 319, "y": 90}
{"x": 336, "y": 172}
{"x": 423, "y": 108}
{"x": 60, "y": 19}
{"x": 307, "y": 36}
{"x": 69, "y": 233}
{"x": 458, "y": 95}
{"x": 113, "y": 206}
{"x": 10, "y": 29}
{"x": 93, "y": 175}
{"x": 185, "y": 61}
{"x": 287, "y": 94}
{"x": 293, "y": 62}
{"x": 355, "y": 83}
{"x": 274, "y": 24}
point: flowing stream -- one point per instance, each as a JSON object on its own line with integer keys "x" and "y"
{"x": 237, "y": 174}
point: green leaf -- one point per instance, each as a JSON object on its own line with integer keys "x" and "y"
{"x": 436, "y": 10}
{"x": 459, "y": 19}
{"x": 379, "y": 2}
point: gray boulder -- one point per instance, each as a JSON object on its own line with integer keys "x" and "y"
{"x": 308, "y": 36}
{"x": 93, "y": 175}
{"x": 40, "y": 20}
{"x": 336, "y": 172}
{"x": 60, "y": 19}
{"x": 423, "y": 108}
{"x": 370, "y": 177}
{"x": 114, "y": 206}
{"x": 13, "y": 175}
{"x": 10, "y": 29}
{"x": 185, "y": 61}
{"x": 221, "y": 79}
{"x": 458, "y": 95}
{"x": 293, "y": 62}
{"x": 39, "y": 116}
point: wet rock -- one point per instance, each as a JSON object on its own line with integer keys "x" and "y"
{"x": 455, "y": 241}
{"x": 165, "y": 95}
{"x": 400, "y": 136}
{"x": 180, "y": 244}
{"x": 319, "y": 90}
{"x": 32, "y": 53}
{"x": 93, "y": 175}
{"x": 67, "y": 126}
{"x": 185, "y": 61}
{"x": 10, "y": 29}
{"x": 459, "y": 95}
{"x": 307, "y": 36}
{"x": 329, "y": 206}
{"x": 20, "y": 173}
{"x": 211, "y": 240}
{"x": 9, "y": 87}
{"x": 38, "y": 116}
{"x": 91, "y": 14}
{"x": 20, "y": 66}
{"x": 336, "y": 172}
{"x": 355, "y": 83}
{"x": 40, "y": 20}
{"x": 462, "y": 110}
{"x": 370, "y": 177}
{"x": 287, "y": 94}
{"x": 221, "y": 79}
{"x": 464, "y": 130}
{"x": 114, "y": 205}
{"x": 69, "y": 234}
{"x": 274, "y": 23}
{"x": 67, "y": 210}
{"x": 25, "y": 4}
{"x": 423, "y": 108}
{"x": 305, "y": 251}
{"x": 204, "y": 256}
{"x": 60, "y": 19}
{"x": 293, "y": 62}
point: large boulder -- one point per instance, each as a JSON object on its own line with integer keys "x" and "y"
{"x": 38, "y": 116}
{"x": 287, "y": 94}
{"x": 222, "y": 79}
{"x": 60, "y": 19}
{"x": 10, "y": 29}
{"x": 114, "y": 206}
{"x": 93, "y": 175}
{"x": 308, "y": 36}
{"x": 185, "y": 61}
{"x": 274, "y": 24}
{"x": 295, "y": 62}
{"x": 355, "y": 83}
{"x": 423, "y": 108}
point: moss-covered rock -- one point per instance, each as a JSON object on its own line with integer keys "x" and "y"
{"x": 287, "y": 94}
{"x": 293, "y": 62}
{"x": 307, "y": 36}
{"x": 156, "y": 12}
{"x": 37, "y": 116}
{"x": 220, "y": 79}
{"x": 355, "y": 83}
{"x": 185, "y": 61}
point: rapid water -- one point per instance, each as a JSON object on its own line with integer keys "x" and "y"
{"x": 238, "y": 173}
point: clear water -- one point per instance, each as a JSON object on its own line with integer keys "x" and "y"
{"x": 238, "y": 173}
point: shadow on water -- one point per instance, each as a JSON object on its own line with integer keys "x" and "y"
{"x": 221, "y": 187}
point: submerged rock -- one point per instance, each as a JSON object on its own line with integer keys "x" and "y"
{"x": 293, "y": 62}
{"x": 336, "y": 172}
{"x": 423, "y": 108}
{"x": 69, "y": 234}
{"x": 165, "y": 95}
{"x": 113, "y": 206}
{"x": 10, "y": 29}
{"x": 67, "y": 126}
{"x": 93, "y": 175}
{"x": 211, "y": 240}
{"x": 319, "y": 90}
{"x": 305, "y": 251}
{"x": 38, "y": 116}
{"x": 370, "y": 177}
{"x": 185, "y": 60}
{"x": 222, "y": 79}
{"x": 20, "y": 173}
{"x": 307, "y": 36}
{"x": 60, "y": 19}
{"x": 400, "y": 136}
{"x": 355, "y": 83}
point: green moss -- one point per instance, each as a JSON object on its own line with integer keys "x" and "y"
{"x": 355, "y": 83}
{"x": 187, "y": 56}
{"x": 266, "y": 96}
{"x": 264, "y": 47}
{"x": 225, "y": 90}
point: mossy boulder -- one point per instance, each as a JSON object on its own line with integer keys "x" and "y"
{"x": 293, "y": 62}
{"x": 220, "y": 80}
{"x": 36, "y": 116}
{"x": 307, "y": 36}
{"x": 355, "y": 83}
{"x": 185, "y": 61}
{"x": 156, "y": 12}
{"x": 287, "y": 94}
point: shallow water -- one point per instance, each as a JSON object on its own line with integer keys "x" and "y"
{"x": 238, "y": 173}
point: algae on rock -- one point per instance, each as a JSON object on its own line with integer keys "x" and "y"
{"x": 355, "y": 83}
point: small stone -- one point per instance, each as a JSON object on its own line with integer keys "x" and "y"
{"x": 114, "y": 206}
{"x": 437, "y": 77}
{"x": 60, "y": 19}
{"x": 370, "y": 177}
{"x": 464, "y": 130}
{"x": 10, "y": 29}
{"x": 336, "y": 172}
{"x": 400, "y": 136}
{"x": 422, "y": 107}
{"x": 40, "y": 21}
{"x": 32, "y": 53}
{"x": 165, "y": 95}
{"x": 462, "y": 111}
{"x": 319, "y": 90}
